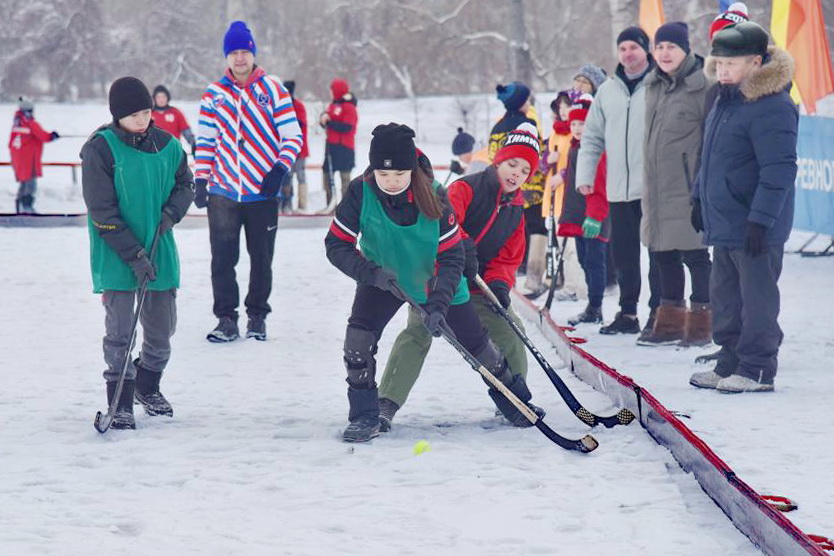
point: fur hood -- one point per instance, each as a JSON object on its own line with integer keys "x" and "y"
{"x": 771, "y": 78}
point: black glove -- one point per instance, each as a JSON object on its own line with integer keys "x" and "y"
{"x": 273, "y": 181}
{"x": 54, "y": 135}
{"x": 434, "y": 320}
{"x": 456, "y": 168}
{"x": 200, "y": 193}
{"x": 697, "y": 218}
{"x": 166, "y": 222}
{"x": 471, "y": 264}
{"x": 502, "y": 292}
{"x": 142, "y": 267}
{"x": 386, "y": 281}
{"x": 755, "y": 243}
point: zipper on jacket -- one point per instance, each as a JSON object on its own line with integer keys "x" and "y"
{"x": 491, "y": 220}
{"x": 628, "y": 170}
{"x": 238, "y": 104}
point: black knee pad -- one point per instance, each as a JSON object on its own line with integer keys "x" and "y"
{"x": 360, "y": 348}
{"x": 494, "y": 362}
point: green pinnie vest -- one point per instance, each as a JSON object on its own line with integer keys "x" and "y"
{"x": 410, "y": 252}
{"x": 143, "y": 183}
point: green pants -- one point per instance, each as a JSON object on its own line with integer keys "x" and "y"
{"x": 413, "y": 343}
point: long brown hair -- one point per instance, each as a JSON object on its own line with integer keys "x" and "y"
{"x": 422, "y": 185}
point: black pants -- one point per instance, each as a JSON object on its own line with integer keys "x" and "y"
{"x": 593, "y": 256}
{"x": 672, "y": 279}
{"x": 625, "y": 244}
{"x": 745, "y": 308}
{"x": 374, "y": 308}
{"x": 259, "y": 221}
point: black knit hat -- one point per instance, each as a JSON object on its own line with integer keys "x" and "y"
{"x": 162, "y": 89}
{"x": 128, "y": 95}
{"x": 462, "y": 143}
{"x": 742, "y": 39}
{"x": 392, "y": 148}
{"x": 635, "y": 34}
{"x": 676, "y": 32}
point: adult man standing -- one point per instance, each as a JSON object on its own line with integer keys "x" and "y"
{"x": 248, "y": 141}
{"x": 169, "y": 118}
{"x": 26, "y": 148}
{"x": 744, "y": 203}
{"x": 616, "y": 126}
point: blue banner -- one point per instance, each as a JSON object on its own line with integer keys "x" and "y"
{"x": 815, "y": 175}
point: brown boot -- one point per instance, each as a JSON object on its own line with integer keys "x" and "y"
{"x": 668, "y": 327}
{"x": 698, "y": 327}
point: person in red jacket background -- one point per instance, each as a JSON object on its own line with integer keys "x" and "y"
{"x": 298, "y": 169}
{"x": 339, "y": 121}
{"x": 26, "y": 148}
{"x": 170, "y": 119}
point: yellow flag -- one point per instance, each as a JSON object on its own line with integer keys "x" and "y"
{"x": 780, "y": 13}
{"x": 651, "y": 16}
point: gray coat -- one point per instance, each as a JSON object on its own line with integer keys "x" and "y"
{"x": 675, "y": 114}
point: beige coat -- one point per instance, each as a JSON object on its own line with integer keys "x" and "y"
{"x": 675, "y": 114}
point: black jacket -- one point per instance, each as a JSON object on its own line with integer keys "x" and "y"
{"x": 100, "y": 193}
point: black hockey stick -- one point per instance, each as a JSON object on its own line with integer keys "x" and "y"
{"x": 623, "y": 417}
{"x": 558, "y": 270}
{"x": 103, "y": 421}
{"x": 585, "y": 444}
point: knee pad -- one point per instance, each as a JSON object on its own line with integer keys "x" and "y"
{"x": 360, "y": 348}
{"x": 494, "y": 362}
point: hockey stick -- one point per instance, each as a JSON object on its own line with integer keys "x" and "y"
{"x": 623, "y": 417}
{"x": 558, "y": 269}
{"x": 585, "y": 444}
{"x": 103, "y": 421}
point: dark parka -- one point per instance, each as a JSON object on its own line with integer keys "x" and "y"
{"x": 675, "y": 114}
{"x": 748, "y": 162}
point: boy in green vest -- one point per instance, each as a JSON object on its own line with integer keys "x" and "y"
{"x": 136, "y": 183}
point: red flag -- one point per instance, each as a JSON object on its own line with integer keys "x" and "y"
{"x": 808, "y": 44}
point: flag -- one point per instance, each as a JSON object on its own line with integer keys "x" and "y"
{"x": 651, "y": 16}
{"x": 779, "y": 31}
{"x": 808, "y": 44}
{"x": 724, "y": 5}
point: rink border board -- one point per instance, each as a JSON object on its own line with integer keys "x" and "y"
{"x": 765, "y": 526}
{"x": 285, "y": 221}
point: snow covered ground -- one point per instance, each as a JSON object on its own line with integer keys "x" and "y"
{"x": 252, "y": 463}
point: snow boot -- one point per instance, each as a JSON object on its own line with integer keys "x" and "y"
{"x": 256, "y": 327}
{"x": 622, "y": 324}
{"x": 591, "y": 314}
{"x": 363, "y": 416}
{"x": 148, "y": 394}
{"x": 698, "y": 326}
{"x": 225, "y": 331}
{"x": 710, "y": 379}
{"x": 736, "y": 384}
{"x": 123, "y": 417}
{"x": 647, "y": 330}
{"x": 668, "y": 328}
{"x": 387, "y": 410}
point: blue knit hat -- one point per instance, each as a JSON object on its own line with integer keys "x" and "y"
{"x": 676, "y": 32}
{"x": 238, "y": 37}
{"x": 463, "y": 143}
{"x": 513, "y": 95}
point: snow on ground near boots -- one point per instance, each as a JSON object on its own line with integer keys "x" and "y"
{"x": 252, "y": 462}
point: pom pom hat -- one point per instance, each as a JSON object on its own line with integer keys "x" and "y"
{"x": 522, "y": 142}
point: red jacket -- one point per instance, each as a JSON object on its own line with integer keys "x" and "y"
{"x": 341, "y": 129}
{"x": 576, "y": 207}
{"x": 26, "y": 147}
{"x": 494, "y": 220}
{"x": 301, "y": 116}
{"x": 170, "y": 119}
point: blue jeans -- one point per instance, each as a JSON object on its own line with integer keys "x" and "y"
{"x": 593, "y": 257}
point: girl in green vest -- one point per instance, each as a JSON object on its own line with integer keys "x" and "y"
{"x": 395, "y": 229}
{"x": 136, "y": 184}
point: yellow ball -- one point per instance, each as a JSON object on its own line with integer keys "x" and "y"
{"x": 421, "y": 446}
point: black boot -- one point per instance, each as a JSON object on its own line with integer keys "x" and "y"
{"x": 387, "y": 410}
{"x": 363, "y": 416}
{"x": 148, "y": 394}
{"x": 496, "y": 364}
{"x": 590, "y": 314}
{"x": 123, "y": 418}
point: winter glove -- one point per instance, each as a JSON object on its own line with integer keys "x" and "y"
{"x": 502, "y": 293}
{"x": 755, "y": 243}
{"x": 697, "y": 218}
{"x": 386, "y": 281}
{"x": 470, "y": 265}
{"x": 54, "y": 135}
{"x": 142, "y": 267}
{"x": 456, "y": 168}
{"x": 591, "y": 228}
{"x": 200, "y": 193}
{"x": 434, "y": 320}
{"x": 166, "y": 222}
{"x": 273, "y": 181}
